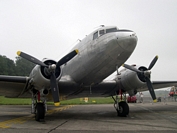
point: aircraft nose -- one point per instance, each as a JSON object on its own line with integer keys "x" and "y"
{"x": 127, "y": 39}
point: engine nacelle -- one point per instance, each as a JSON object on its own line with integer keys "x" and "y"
{"x": 39, "y": 77}
{"x": 131, "y": 81}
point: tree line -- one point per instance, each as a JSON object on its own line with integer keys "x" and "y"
{"x": 19, "y": 67}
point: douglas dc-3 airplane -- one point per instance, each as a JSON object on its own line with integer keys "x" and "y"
{"x": 81, "y": 73}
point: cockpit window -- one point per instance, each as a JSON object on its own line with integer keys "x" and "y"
{"x": 95, "y": 35}
{"x": 101, "y": 32}
{"x": 111, "y": 30}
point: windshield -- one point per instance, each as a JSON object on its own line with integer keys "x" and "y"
{"x": 111, "y": 30}
{"x": 103, "y": 31}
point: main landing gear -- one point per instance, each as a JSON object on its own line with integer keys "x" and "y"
{"x": 39, "y": 107}
{"x": 121, "y": 106}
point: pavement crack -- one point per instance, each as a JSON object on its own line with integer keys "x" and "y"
{"x": 57, "y": 126}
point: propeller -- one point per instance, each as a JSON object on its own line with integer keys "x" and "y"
{"x": 51, "y": 70}
{"x": 31, "y": 58}
{"x": 145, "y": 74}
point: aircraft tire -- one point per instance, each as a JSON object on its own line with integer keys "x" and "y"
{"x": 123, "y": 109}
{"x": 40, "y": 111}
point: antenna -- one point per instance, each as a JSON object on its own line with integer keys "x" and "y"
{"x": 99, "y": 26}
{"x": 78, "y": 40}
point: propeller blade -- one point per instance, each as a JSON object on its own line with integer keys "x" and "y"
{"x": 153, "y": 62}
{"x": 31, "y": 58}
{"x": 151, "y": 89}
{"x": 131, "y": 68}
{"x": 67, "y": 57}
{"x": 54, "y": 89}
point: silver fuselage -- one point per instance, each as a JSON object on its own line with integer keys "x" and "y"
{"x": 98, "y": 58}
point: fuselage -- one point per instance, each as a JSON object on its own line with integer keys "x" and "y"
{"x": 99, "y": 54}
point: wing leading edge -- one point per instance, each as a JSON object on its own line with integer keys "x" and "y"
{"x": 159, "y": 85}
{"x": 163, "y": 84}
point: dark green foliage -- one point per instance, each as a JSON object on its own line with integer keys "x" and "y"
{"x": 23, "y": 67}
{"x": 7, "y": 66}
{"x": 20, "y": 67}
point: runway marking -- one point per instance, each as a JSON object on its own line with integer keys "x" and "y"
{"x": 49, "y": 112}
{"x": 21, "y": 120}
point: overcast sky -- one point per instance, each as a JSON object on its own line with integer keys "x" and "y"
{"x": 50, "y": 28}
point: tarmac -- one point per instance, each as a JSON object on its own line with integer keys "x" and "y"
{"x": 146, "y": 117}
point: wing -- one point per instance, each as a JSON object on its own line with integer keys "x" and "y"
{"x": 158, "y": 85}
{"x": 162, "y": 84}
{"x": 108, "y": 88}
{"x": 13, "y": 86}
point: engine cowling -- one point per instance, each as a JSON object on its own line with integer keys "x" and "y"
{"x": 40, "y": 78}
{"x": 131, "y": 81}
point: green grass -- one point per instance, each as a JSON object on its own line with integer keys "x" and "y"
{"x": 14, "y": 101}
{"x": 27, "y": 101}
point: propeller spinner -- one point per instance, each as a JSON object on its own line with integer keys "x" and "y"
{"x": 146, "y": 75}
{"x": 51, "y": 70}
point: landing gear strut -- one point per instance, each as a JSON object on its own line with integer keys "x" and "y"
{"x": 121, "y": 107}
{"x": 39, "y": 108}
